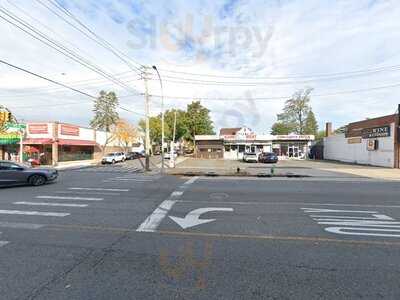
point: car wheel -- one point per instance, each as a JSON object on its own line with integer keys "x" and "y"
{"x": 37, "y": 180}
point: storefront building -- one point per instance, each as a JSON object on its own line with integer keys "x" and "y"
{"x": 368, "y": 142}
{"x": 233, "y": 143}
{"x": 52, "y": 143}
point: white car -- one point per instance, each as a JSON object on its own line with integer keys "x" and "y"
{"x": 167, "y": 155}
{"x": 113, "y": 158}
{"x": 250, "y": 157}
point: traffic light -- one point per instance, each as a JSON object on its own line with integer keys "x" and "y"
{"x": 5, "y": 117}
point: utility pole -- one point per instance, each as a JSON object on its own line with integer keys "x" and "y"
{"x": 174, "y": 126}
{"x": 162, "y": 120}
{"x": 147, "y": 112}
{"x": 172, "y": 157}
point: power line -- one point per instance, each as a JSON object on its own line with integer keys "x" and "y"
{"x": 60, "y": 84}
{"x": 96, "y": 38}
{"x": 373, "y": 70}
{"x": 191, "y": 81}
{"x": 277, "y": 97}
{"x": 58, "y": 46}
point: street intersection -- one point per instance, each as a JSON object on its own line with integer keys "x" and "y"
{"x": 130, "y": 235}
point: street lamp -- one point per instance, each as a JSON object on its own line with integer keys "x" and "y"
{"x": 162, "y": 120}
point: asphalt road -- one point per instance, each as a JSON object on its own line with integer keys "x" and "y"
{"x": 121, "y": 234}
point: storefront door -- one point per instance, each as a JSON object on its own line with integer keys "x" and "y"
{"x": 294, "y": 151}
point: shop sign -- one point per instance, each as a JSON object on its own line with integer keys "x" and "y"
{"x": 38, "y": 129}
{"x": 376, "y": 132}
{"x": 69, "y": 130}
{"x": 9, "y": 138}
{"x": 14, "y": 126}
{"x": 294, "y": 137}
{"x": 354, "y": 140}
{"x": 240, "y": 137}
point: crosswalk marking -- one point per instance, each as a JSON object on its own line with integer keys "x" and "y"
{"x": 20, "y": 225}
{"x": 69, "y": 198}
{"x": 33, "y": 213}
{"x": 99, "y": 189}
{"x": 87, "y": 193}
{"x": 129, "y": 179}
{"x": 51, "y": 204}
{"x": 3, "y": 243}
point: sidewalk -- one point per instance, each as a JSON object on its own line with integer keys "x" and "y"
{"x": 283, "y": 168}
{"x": 76, "y": 164}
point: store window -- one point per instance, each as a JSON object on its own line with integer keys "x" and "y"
{"x": 242, "y": 148}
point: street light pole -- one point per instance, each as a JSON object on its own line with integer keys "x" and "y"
{"x": 147, "y": 109}
{"x": 162, "y": 120}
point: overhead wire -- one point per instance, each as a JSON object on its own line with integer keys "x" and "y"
{"x": 58, "y": 46}
{"x": 60, "y": 84}
{"x": 92, "y": 35}
{"x": 276, "y": 97}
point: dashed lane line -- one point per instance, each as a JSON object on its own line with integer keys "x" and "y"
{"x": 154, "y": 220}
{"x": 98, "y": 189}
{"x": 21, "y": 225}
{"x": 69, "y": 198}
{"x": 87, "y": 193}
{"x": 3, "y": 243}
{"x": 33, "y": 213}
{"x": 50, "y": 204}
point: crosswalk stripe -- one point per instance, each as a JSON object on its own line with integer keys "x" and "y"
{"x": 130, "y": 179}
{"x": 33, "y": 213}
{"x": 99, "y": 189}
{"x": 20, "y": 225}
{"x": 51, "y": 204}
{"x": 69, "y": 198}
{"x": 3, "y": 243}
{"x": 88, "y": 193}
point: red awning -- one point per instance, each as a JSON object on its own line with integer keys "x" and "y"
{"x": 38, "y": 141}
{"x": 76, "y": 142}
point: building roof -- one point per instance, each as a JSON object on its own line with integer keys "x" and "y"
{"x": 354, "y": 129}
{"x": 229, "y": 131}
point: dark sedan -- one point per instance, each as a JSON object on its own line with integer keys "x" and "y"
{"x": 12, "y": 173}
{"x": 268, "y": 157}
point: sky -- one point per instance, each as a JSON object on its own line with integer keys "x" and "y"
{"x": 240, "y": 58}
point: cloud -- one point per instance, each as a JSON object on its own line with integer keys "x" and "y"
{"x": 267, "y": 38}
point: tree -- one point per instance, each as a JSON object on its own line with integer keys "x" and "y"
{"x": 320, "y": 136}
{"x": 280, "y": 128}
{"x": 197, "y": 121}
{"x": 311, "y": 124}
{"x": 296, "y": 110}
{"x": 155, "y": 128}
{"x": 125, "y": 133}
{"x": 105, "y": 115}
{"x": 105, "y": 111}
{"x": 181, "y": 128}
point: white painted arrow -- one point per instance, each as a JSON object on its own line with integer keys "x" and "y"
{"x": 193, "y": 218}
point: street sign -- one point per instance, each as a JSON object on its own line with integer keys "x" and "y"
{"x": 193, "y": 218}
{"x": 15, "y": 126}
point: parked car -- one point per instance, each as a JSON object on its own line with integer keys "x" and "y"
{"x": 12, "y": 173}
{"x": 113, "y": 158}
{"x": 131, "y": 155}
{"x": 250, "y": 157}
{"x": 167, "y": 155}
{"x": 268, "y": 157}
